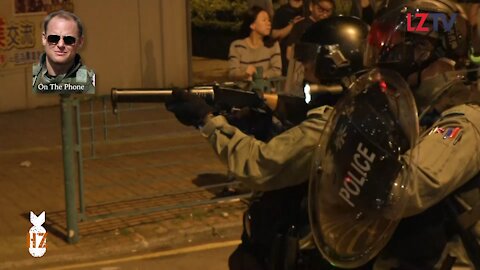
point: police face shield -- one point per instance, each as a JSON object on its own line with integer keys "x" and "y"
{"x": 303, "y": 78}
{"x": 358, "y": 178}
{"x": 395, "y": 41}
{"x": 422, "y": 50}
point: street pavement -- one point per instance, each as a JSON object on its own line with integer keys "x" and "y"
{"x": 151, "y": 162}
{"x": 208, "y": 256}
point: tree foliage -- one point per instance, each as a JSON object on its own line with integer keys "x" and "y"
{"x": 218, "y": 14}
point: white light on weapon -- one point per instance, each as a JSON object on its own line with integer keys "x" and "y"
{"x": 306, "y": 91}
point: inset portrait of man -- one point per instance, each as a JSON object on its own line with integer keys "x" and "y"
{"x": 60, "y": 69}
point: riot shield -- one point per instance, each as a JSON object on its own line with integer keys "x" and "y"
{"x": 357, "y": 180}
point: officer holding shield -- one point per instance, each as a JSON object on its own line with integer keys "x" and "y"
{"x": 445, "y": 157}
{"x": 418, "y": 173}
{"x": 380, "y": 195}
{"x": 278, "y": 170}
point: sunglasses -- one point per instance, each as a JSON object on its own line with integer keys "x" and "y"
{"x": 54, "y": 39}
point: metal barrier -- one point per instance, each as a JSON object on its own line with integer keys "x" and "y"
{"x": 142, "y": 177}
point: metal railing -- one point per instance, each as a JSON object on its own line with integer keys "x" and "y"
{"x": 101, "y": 151}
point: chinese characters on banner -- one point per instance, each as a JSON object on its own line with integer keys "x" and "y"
{"x": 20, "y": 30}
{"x": 2, "y": 33}
{"x": 2, "y": 41}
{"x": 18, "y": 44}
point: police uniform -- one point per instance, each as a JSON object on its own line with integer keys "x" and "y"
{"x": 277, "y": 171}
{"x": 79, "y": 79}
{"x": 282, "y": 162}
{"x": 447, "y": 159}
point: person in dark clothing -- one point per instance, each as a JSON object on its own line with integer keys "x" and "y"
{"x": 283, "y": 21}
{"x": 319, "y": 10}
{"x": 358, "y": 8}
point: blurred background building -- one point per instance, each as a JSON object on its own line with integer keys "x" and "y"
{"x": 142, "y": 43}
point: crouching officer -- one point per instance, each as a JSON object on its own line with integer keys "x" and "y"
{"x": 60, "y": 68}
{"x": 326, "y": 59}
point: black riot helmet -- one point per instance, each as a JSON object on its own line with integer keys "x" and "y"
{"x": 410, "y": 37}
{"x": 329, "y": 51}
{"x": 340, "y": 45}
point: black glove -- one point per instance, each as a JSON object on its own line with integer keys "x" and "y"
{"x": 189, "y": 109}
{"x": 291, "y": 110}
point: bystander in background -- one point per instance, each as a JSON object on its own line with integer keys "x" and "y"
{"x": 255, "y": 49}
{"x": 319, "y": 10}
{"x": 359, "y": 8}
{"x": 286, "y": 16}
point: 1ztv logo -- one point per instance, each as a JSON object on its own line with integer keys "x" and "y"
{"x": 437, "y": 18}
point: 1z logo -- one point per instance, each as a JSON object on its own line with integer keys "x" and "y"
{"x": 37, "y": 235}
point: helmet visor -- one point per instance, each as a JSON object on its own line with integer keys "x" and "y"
{"x": 395, "y": 41}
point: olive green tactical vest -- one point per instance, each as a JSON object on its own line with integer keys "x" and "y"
{"x": 79, "y": 81}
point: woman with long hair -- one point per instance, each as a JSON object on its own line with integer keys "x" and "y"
{"x": 255, "y": 50}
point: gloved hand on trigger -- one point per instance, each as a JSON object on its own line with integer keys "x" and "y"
{"x": 188, "y": 108}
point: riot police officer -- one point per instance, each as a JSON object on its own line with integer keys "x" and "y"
{"x": 445, "y": 155}
{"x": 329, "y": 54}
{"x": 431, "y": 56}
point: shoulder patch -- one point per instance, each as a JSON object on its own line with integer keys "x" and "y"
{"x": 448, "y": 133}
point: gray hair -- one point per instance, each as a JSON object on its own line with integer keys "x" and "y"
{"x": 66, "y": 15}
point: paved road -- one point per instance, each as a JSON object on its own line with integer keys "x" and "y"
{"x": 167, "y": 165}
{"x": 213, "y": 256}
